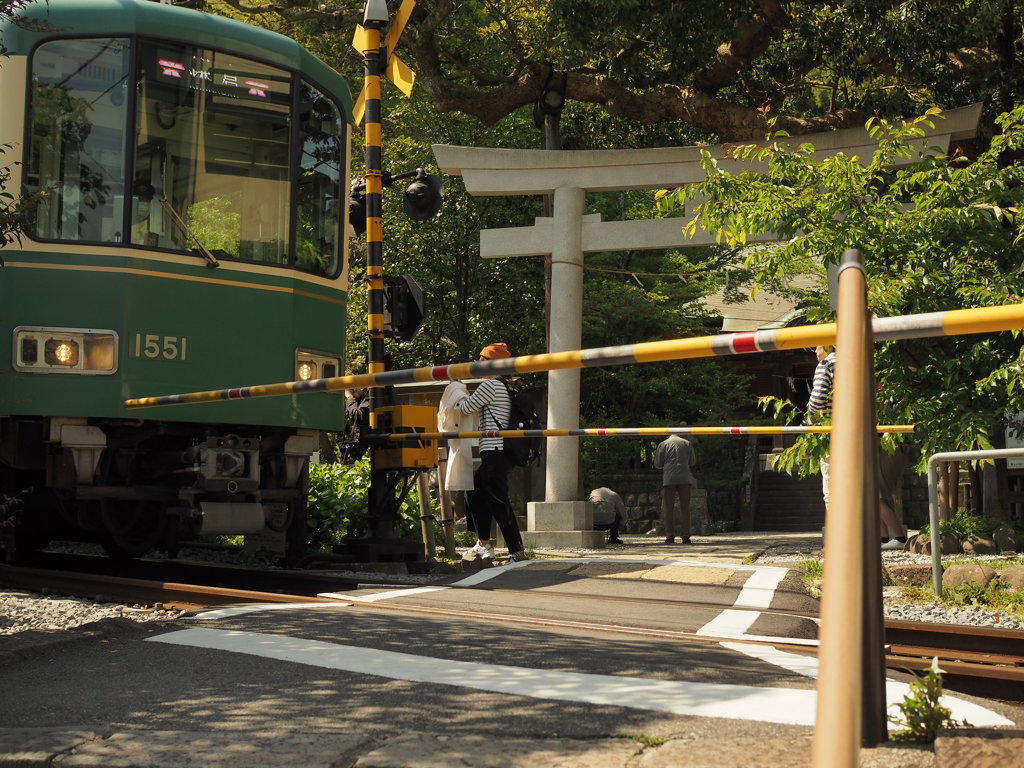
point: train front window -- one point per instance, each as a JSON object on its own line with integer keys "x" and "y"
{"x": 321, "y": 199}
{"x": 77, "y": 140}
{"x": 212, "y": 157}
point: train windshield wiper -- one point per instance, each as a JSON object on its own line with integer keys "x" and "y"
{"x": 210, "y": 258}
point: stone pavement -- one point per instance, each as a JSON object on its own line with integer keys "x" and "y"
{"x": 698, "y": 746}
{"x": 77, "y": 748}
{"x": 735, "y": 547}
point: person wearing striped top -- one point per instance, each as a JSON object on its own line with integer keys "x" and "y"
{"x": 820, "y": 402}
{"x": 488, "y": 501}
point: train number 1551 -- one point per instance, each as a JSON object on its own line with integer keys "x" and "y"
{"x": 154, "y": 345}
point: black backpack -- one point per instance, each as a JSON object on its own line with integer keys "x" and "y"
{"x": 521, "y": 451}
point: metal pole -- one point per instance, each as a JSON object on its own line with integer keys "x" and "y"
{"x": 840, "y": 663}
{"x": 933, "y": 498}
{"x": 379, "y": 493}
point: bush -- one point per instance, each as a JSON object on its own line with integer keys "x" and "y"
{"x": 962, "y": 524}
{"x": 338, "y": 505}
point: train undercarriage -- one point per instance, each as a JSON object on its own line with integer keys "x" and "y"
{"x": 137, "y": 487}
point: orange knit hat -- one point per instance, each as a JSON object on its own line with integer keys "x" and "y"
{"x": 495, "y": 351}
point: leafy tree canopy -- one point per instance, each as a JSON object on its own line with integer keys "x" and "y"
{"x": 714, "y": 66}
{"x": 939, "y": 233}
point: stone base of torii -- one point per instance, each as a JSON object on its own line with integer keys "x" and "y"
{"x": 563, "y": 519}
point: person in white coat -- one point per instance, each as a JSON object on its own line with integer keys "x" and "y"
{"x": 459, "y": 474}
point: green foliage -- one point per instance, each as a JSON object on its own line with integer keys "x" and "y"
{"x": 803, "y": 457}
{"x": 647, "y": 741}
{"x": 921, "y": 711}
{"x": 814, "y": 572}
{"x": 935, "y": 233}
{"x": 215, "y": 225}
{"x": 814, "y": 567}
{"x": 962, "y": 524}
{"x": 9, "y": 507}
{"x": 337, "y": 506}
{"x": 337, "y": 502}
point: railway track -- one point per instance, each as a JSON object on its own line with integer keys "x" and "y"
{"x": 987, "y": 660}
{"x": 983, "y": 661}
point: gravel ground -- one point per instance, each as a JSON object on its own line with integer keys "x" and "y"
{"x": 895, "y": 603}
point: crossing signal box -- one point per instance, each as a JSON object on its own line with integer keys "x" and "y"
{"x": 403, "y": 307}
{"x": 418, "y": 454}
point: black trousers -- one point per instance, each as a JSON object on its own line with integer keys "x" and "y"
{"x": 488, "y": 501}
{"x": 612, "y": 528}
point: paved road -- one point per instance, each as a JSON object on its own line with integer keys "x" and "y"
{"x": 384, "y": 673}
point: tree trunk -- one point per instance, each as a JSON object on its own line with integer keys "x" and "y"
{"x": 944, "y": 492}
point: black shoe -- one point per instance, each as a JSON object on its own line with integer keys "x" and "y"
{"x": 615, "y": 541}
{"x": 686, "y": 540}
{"x": 670, "y": 540}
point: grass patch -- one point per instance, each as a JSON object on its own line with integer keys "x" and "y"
{"x": 647, "y": 741}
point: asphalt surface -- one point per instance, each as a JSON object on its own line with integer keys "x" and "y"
{"x": 627, "y": 658}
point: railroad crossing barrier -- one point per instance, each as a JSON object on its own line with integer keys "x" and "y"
{"x": 933, "y": 498}
{"x": 954, "y": 322}
{"x": 628, "y": 432}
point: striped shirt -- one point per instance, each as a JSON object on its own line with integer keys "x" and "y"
{"x": 491, "y": 400}
{"x": 821, "y": 389}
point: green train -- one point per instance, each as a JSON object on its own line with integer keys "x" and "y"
{"x": 185, "y": 183}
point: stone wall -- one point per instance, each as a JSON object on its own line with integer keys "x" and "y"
{"x": 641, "y": 493}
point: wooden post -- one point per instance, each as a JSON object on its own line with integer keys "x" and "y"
{"x": 446, "y": 500}
{"x": 426, "y": 516}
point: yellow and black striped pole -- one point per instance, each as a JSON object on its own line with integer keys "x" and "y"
{"x": 373, "y": 66}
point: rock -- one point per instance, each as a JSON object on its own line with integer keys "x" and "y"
{"x": 910, "y": 574}
{"x": 1012, "y": 576}
{"x": 471, "y": 563}
{"x": 918, "y": 544}
{"x": 957, "y": 575}
{"x": 950, "y": 544}
{"x": 1007, "y": 539}
{"x": 976, "y": 544}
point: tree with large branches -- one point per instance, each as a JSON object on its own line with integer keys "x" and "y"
{"x": 717, "y": 67}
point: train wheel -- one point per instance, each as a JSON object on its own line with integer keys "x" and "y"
{"x": 132, "y": 529}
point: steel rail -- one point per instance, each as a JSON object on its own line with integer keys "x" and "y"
{"x": 143, "y": 591}
{"x": 953, "y": 322}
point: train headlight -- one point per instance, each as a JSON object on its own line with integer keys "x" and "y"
{"x": 61, "y": 352}
{"x": 38, "y": 349}
{"x": 310, "y": 364}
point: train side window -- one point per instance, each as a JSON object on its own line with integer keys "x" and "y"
{"x": 321, "y": 199}
{"x": 77, "y": 139}
{"x": 212, "y": 158}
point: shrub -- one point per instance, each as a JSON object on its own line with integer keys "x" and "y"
{"x": 962, "y": 524}
{"x": 337, "y": 510}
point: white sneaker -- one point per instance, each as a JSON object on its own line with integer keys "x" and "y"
{"x": 894, "y": 544}
{"x": 481, "y": 550}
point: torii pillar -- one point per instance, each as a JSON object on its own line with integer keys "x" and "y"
{"x": 562, "y": 520}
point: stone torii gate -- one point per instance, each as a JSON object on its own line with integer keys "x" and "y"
{"x": 562, "y": 520}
